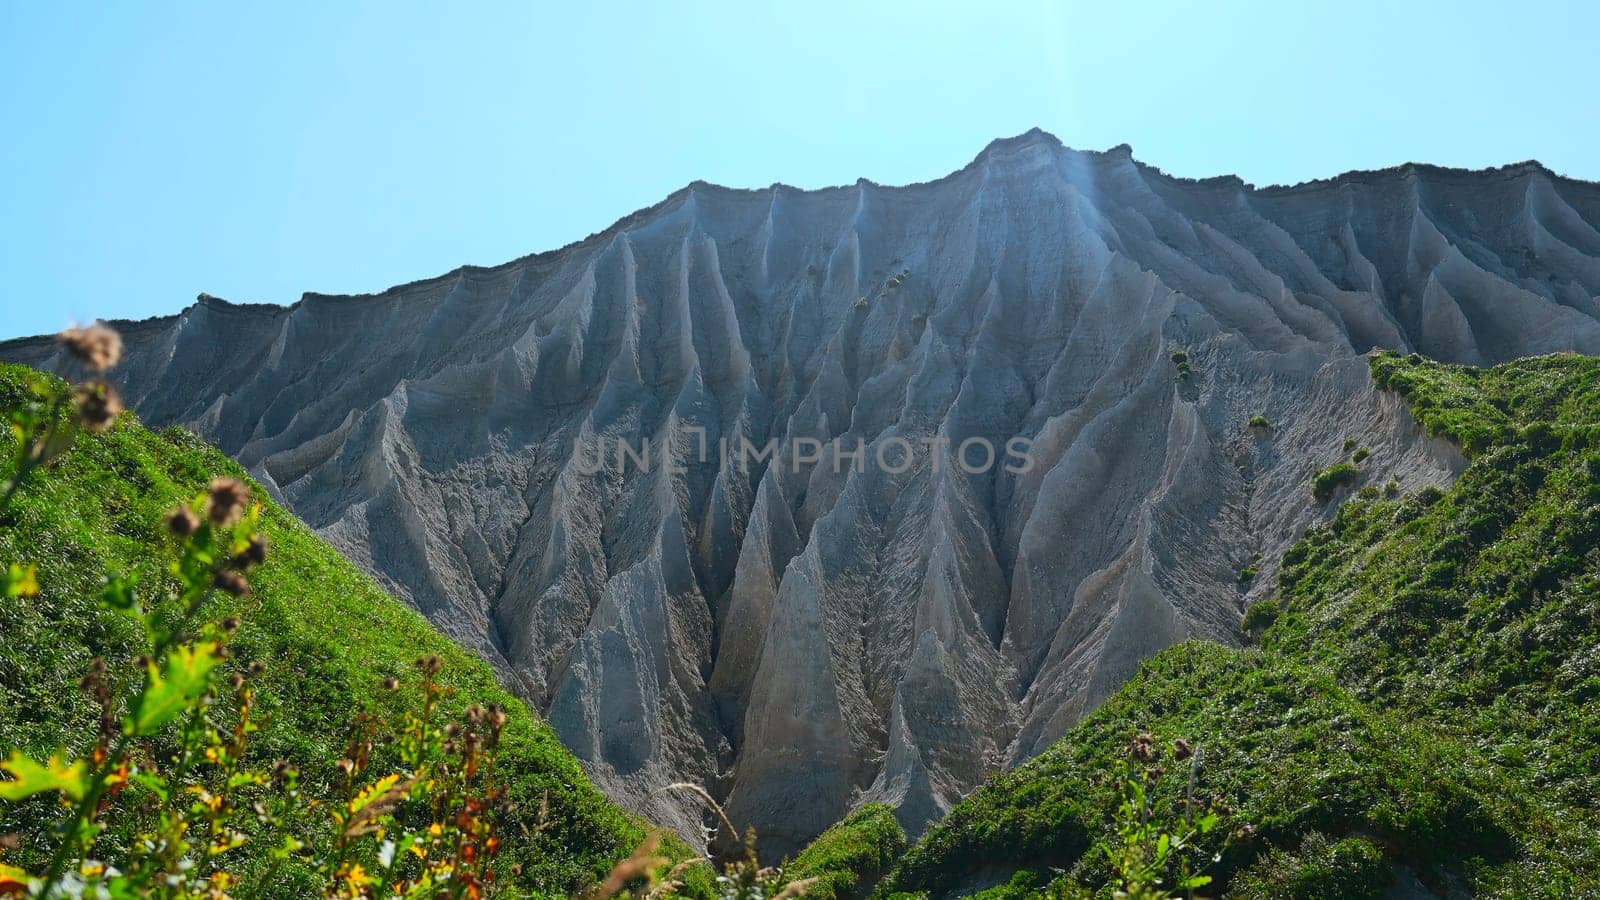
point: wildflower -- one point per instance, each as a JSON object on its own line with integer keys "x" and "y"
{"x": 430, "y": 664}
{"x": 98, "y": 346}
{"x": 497, "y": 717}
{"x": 97, "y": 403}
{"x": 225, "y": 501}
{"x": 231, "y": 583}
{"x": 1181, "y": 750}
{"x": 1143, "y": 748}
{"x": 182, "y": 521}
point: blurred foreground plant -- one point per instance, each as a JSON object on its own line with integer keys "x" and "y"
{"x": 168, "y": 790}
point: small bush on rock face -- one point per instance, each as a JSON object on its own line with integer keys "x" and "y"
{"x": 1260, "y": 422}
{"x": 1360, "y": 455}
{"x": 1331, "y": 479}
{"x": 1259, "y": 616}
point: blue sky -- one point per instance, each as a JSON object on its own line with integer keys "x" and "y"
{"x": 152, "y": 150}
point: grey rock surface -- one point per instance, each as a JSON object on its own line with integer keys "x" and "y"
{"x": 802, "y": 637}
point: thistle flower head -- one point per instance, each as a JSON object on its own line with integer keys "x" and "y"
{"x": 226, "y": 499}
{"x": 254, "y": 554}
{"x": 97, "y": 404}
{"x": 98, "y": 347}
{"x": 182, "y": 521}
{"x": 230, "y": 583}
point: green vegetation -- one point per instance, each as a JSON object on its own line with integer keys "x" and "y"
{"x": 848, "y": 859}
{"x": 1260, "y": 422}
{"x": 1360, "y": 455}
{"x": 1327, "y": 481}
{"x": 315, "y": 643}
{"x": 1180, "y": 361}
{"x": 1424, "y": 694}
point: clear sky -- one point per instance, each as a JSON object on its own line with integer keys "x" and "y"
{"x": 151, "y": 151}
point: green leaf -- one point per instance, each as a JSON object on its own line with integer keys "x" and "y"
{"x": 119, "y": 593}
{"x": 168, "y": 691}
{"x": 155, "y": 784}
{"x": 1195, "y": 881}
{"x": 29, "y": 778}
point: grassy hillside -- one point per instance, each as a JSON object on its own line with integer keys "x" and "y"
{"x": 848, "y": 859}
{"x": 326, "y": 634}
{"x": 1421, "y": 711}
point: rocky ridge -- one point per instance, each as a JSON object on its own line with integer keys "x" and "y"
{"x": 804, "y": 636}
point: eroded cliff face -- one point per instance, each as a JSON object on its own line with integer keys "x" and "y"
{"x": 802, "y": 635}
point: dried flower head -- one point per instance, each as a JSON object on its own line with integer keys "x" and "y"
{"x": 226, "y": 499}
{"x": 497, "y": 717}
{"x": 256, "y": 667}
{"x": 391, "y": 683}
{"x": 182, "y": 521}
{"x": 430, "y": 664}
{"x": 231, "y": 623}
{"x": 231, "y": 583}
{"x": 97, "y": 404}
{"x": 236, "y": 680}
{"x": 1181, "y": 750}
{"x": 97, "y": 346}
{"x": 1143, "y": 748}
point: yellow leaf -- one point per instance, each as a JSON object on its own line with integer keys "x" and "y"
{"x": 13, "y": 881}
{"x": 373, "y": 792}
{"x": 19, "y": 581}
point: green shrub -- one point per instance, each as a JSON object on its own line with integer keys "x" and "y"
{"x": 1327, "y": 481}
{"x": 1259, "y": 616}
{"x": 1259, "y": 421}
{"x": 848, "y": 859}
{"x": 1360, "y": 455}
{"x": 1351, "y": 869}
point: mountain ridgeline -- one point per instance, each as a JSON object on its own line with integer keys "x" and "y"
{"x": 805, "y": 636}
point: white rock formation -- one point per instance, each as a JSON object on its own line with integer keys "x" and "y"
{"x": 802, "y": 637}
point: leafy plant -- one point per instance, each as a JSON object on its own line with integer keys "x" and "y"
{"x": 202, "y": 764}
{"x": 1329, "y": 480}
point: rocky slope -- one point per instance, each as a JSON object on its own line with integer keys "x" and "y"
{"x": 803, "y": 636}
